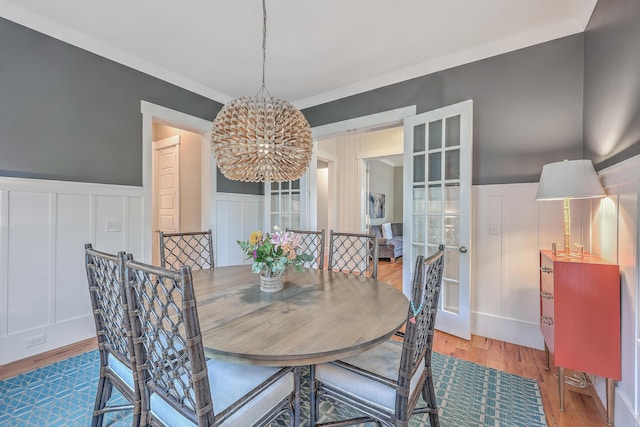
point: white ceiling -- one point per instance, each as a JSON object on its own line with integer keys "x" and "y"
{"x": 317, "y": 51}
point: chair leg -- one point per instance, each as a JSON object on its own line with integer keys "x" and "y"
{"x": 103, "y": 394}
{"x": 429, "y": 396}
{"x": 313, "y": 406}
{"x": 296, "y": 401}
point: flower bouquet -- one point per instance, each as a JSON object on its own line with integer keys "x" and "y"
{"x": 273, "y": 252}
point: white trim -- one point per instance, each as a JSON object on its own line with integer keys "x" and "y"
{"x": 75, "y": 38}
{"x": 326, "y": 156}
{"x": 622, "y": 173}
{"x": 175, "y": 118}
{"x": 540, "y": 35}
{"x": 167, "y": 142}
{"x": 37, "y": 185}
{"x": 51, "y": 289}
{"x": 332, "y": 184}
{"x": 372, "y": 155}
{"x": 4, "y": 261}
{"x": 384, "y": 118}
{"x": 508, "y": 330}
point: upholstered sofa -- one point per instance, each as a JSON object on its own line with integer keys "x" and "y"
{"x": 388, "y": 248}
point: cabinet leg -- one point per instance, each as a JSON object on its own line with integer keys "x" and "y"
{"x": 611, "y": 397}
{"x": 561, "y": 387}
{"x": 546, "y": 357}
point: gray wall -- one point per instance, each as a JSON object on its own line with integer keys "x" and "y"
{"x": 527, "y": 107}
{"x": 612, "y": 83}
{"x": 68, "y": 114}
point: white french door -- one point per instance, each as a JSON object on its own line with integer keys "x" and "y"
{"x": 437, "y": 205}
{"x": 287, "y": 204}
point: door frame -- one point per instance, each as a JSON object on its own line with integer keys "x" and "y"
{"x": 153, "y": 113}
{"x": 332, "y": 184}
{"x": 364, "y": 157}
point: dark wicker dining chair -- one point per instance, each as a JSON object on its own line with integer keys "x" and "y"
{"x": 179, "y": 386}
{"x": 105, "y": 275}
{"x": 386, "y": 381}
{"x": 354, "y": 253}
{"x": 194, "y": 249}
{"x": 312, "y": 242}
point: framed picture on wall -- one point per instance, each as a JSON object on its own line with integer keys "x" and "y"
{"x": 376, "y": 205}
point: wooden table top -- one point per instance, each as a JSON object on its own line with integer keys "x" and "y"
{"x": 318, "y": 317}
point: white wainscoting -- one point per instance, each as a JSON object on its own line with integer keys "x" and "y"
{"x": 615, "y": 235}
{"x": 44, "y": 298}
{"x": 509, "y": 228}
{"x": 236, "y": 216}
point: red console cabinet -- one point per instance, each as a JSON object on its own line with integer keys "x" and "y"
{"x": 580, "y": 317}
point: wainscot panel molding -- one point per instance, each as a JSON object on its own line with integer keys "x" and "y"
{"x": 44, "y": 297}
{"x": 236, "y": 216}
{"x": 506, "y": 239}
{"x": 615, "y": 236}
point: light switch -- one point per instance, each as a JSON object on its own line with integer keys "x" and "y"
{"x": 113, "y": 226}
{"x": 493, "y": 228}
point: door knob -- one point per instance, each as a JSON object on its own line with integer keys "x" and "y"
{"x": 463, "y": 249}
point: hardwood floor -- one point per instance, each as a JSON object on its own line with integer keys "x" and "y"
{"x": 581, "y": 408}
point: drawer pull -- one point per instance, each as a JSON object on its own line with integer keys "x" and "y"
{"x": 546, "y": 295}
{"x": 546, "y": 270}
{"x": 546, "y": 320}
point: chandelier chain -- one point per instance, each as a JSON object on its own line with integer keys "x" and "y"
{"x": 264, "y": 40}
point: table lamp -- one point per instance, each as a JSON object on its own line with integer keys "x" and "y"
{"x": 570, "y": 179}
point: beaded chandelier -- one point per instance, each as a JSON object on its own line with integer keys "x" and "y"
{"x": 261, "y": 138}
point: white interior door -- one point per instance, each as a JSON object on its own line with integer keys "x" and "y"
{"x": 437, "y": 205}
{"x": 166, "y": 189}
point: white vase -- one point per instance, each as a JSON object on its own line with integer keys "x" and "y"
{"x": 271, "y": 283}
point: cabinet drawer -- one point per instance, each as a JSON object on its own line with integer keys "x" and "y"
{"x": 547, "y": 320}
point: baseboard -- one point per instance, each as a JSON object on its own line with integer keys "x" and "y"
{"x": 47, "y": 358}
{"x": 16, "y": 346}
{"x": 508, "y": 330}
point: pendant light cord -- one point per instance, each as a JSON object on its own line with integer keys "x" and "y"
{"x": 263, "y": 92}
{"x": 264, "y": 37}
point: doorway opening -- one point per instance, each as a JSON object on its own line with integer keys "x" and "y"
{"x": 153, "y": 114}
{"x": 176, "y": 184}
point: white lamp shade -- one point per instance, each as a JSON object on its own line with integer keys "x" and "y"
{"x": 570, "y": 179}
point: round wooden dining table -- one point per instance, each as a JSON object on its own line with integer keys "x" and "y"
{"x": 318, "y": 317}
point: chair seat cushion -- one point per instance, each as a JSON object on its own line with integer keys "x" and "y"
{"x": 383, "y": 360}
{"x": 229, "y": 382}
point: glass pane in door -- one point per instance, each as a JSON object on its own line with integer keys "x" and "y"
{"x": 285, "y": 204}
{"x": 453, "y": 131}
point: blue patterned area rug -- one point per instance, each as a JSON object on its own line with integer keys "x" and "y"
{"x": 468, "y": 395}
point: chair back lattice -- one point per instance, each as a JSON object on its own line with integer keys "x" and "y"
{"x": 354, "y": 253}
{"x": 312, "y": 242}
{"x": 105, "y": 274}
{"x": 106, "y": 279}
{"x": 420, "y": 325}
{"x": 166, "y": 332}
{"x": 194, "y": 249}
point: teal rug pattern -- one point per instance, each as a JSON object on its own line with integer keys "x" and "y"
{"x": 468, "y": 395}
